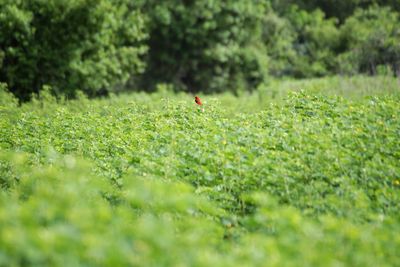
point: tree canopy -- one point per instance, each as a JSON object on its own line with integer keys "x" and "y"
{"x": 101, "y": 46}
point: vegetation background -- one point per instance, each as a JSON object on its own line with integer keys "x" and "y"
{"x": 293, "y": 159}
{"x": 211, "y": 46}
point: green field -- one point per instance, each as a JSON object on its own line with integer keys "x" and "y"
{"x": 298, "y": 173}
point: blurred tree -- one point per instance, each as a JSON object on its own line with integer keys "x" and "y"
{"x": 92, "y": 45}
{"x": 205, "y": 45}
{"x": 333, "y": 8}
{"x": 301, "y": 44}
{"x": 371, "y": 38}
{"x": 99, "y": 46}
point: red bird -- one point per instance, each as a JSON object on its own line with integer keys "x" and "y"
{"x": 198, "y": 100}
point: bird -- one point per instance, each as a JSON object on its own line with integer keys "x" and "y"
{"x": 198, "y": 100}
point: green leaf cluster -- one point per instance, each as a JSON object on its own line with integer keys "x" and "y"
{"x": 211, "y": 46}
{"x": 109, "y": 46}
{"x": 372, "y": 38}
{"x": 89, "y": 45}
{"x": 312, "y": 181}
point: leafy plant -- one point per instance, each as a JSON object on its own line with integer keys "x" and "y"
{"x": 153, "y": 180}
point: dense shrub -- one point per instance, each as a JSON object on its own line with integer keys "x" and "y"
{"x": 79, "y": 44}
{"x": 371, "y": 38}
{"x": 278, "y": 37}
{"x": 301, "y": 44}
{"x": 311, "y": 182}
{"x": 104, "y": 46}
{"x": 333, "y": 8}
{"x": 337, "y": 9}
{"x": 6, "y": 98}
{"x": 204, "y": 45}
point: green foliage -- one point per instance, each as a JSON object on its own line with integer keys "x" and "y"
{"x": 372, "y": 39}
{"x": 333, "y": 8}
{"x": 58, "y": 214}
{"x": 81, "y": 44}
{"x": 354, "y": 87}
{"x": 301, "y": 44}
{"x": 6, "y": 98}
{"x": 153, "y": 180}
{"x": 104, "y": 47}
{"x": 209, "y": 46}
